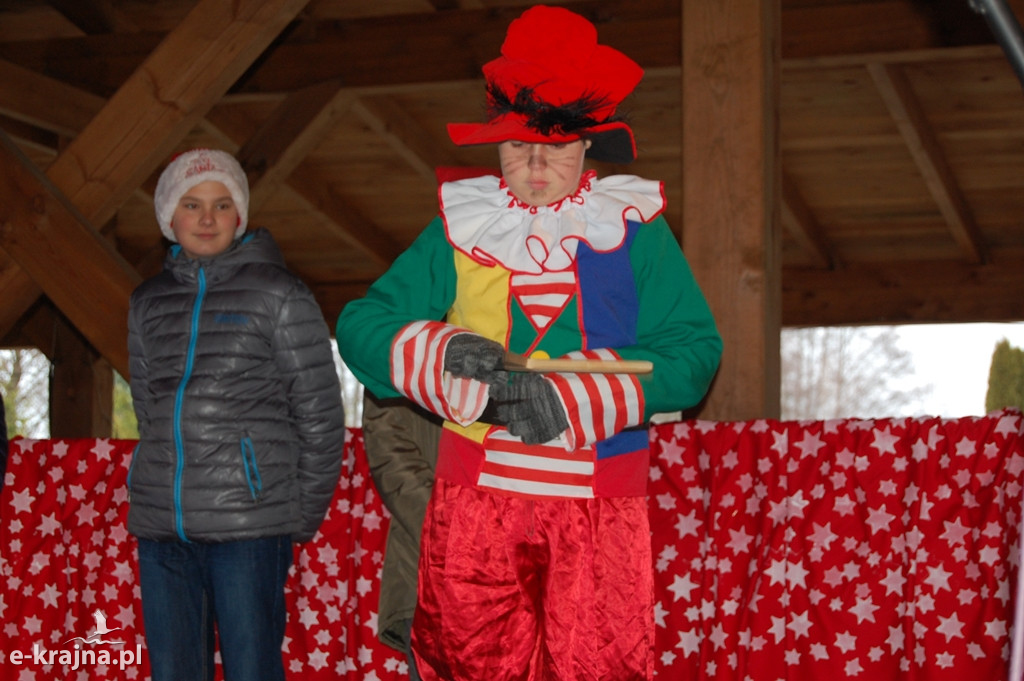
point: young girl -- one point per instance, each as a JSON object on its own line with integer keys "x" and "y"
{"x": 240, "y": 429}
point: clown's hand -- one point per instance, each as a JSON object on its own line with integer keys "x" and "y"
{"x": 530, "y": 407}
{"x": 469, "y": 355}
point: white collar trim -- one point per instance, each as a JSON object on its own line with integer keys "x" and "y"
{"x": 487, "y": 223}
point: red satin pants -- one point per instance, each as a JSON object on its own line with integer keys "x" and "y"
{"x": 514, "y": 589}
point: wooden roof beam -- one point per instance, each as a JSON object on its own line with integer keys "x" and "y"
{"x": 377, "y": 51}
{"x": 29, "y": 97}
{"x": 31, "y": 137}
{"x": 120, "y": 148}
{"x": 404, "y": 135}
{"x": 913, "y": 125}
{"x": 17, "y": 290}
{"x": 33, "y": 105}
{"x": 269, "y": 157}
{"x": 345, "y": 221}
{"x": 57, "y": 247}
{"x": 446, "y": 5}
{"x": 904, "y": 292}
{"x": 164, "y": 99}
{"x": 264, "y": 156}
{"x": 797, "y": 219}
{"x": 294, "y": 130}
{"x": 96, "y": 16}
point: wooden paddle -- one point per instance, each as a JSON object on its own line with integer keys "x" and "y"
{"x": 517, "y": 362}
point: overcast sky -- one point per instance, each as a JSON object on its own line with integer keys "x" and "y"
{"x": 955, "y": 359}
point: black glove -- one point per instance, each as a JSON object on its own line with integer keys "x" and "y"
{"x": 530, "y": 407}
{"x": 470, "y": 355}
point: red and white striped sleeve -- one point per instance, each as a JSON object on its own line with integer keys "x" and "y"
{"x": 598, "y": 405}
{"x": 417, "y": 371}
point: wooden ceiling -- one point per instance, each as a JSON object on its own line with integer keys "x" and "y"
{"x": 901, "y": 135}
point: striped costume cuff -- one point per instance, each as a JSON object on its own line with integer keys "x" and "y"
{"x": 417, "y": 371}
{"x": 598, "y": 405}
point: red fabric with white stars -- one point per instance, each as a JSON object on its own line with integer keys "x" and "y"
{"x": 876, "y": 549}
{"x": 783, "y": 550}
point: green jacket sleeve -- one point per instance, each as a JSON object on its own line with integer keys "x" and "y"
{"x": 420, "y": 285}
{"x": 675, "y": 329}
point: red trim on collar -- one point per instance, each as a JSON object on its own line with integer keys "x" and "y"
{"x": 576, "y": 197}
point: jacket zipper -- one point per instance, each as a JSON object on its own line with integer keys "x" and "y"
{"x": 179, "y": 439}
{"x": 252, "y": 469}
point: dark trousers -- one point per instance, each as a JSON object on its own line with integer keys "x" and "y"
{"x": 188, "y": 588}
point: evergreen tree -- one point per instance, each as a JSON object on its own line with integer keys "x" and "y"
{"x": 124, "y": 426}
{"x": 1005, "y": 378}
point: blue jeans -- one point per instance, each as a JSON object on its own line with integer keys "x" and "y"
{"x": 239, "y": 586}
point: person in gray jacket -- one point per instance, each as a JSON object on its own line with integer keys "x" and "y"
{"x": 241, "y": 429}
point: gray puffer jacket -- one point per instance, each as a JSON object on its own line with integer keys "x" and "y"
{"x": 240, "y": 419}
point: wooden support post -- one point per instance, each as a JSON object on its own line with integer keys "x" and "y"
{"x": 81, "y": 386}
{"x": 730, "y": 76}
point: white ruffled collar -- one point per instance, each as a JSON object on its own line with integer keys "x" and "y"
{"x": 487, "y": 223}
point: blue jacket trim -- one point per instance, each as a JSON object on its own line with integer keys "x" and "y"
{"x": 179, "y": 439}
{"x": 252, "y": 470}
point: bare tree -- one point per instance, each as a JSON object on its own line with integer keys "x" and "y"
{"x": 24, "y": 380}
{"x": 847, "y": 372}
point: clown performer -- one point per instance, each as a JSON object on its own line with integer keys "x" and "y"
{"x": 535, "y": 559}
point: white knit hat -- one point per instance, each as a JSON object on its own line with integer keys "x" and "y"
{"x": 192, "y": 168}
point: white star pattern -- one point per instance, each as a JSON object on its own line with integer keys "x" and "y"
{"x": 688, "y": 525}
{"x": 68, "y": 498}
{"x": 938, "y": 577}
{"x": 864, "y": 610}
{"x": 954, "y": 532}
{"x": 868, "y": 546}
{"x": 841, "y": 549}
{"x": 682, "y": 587}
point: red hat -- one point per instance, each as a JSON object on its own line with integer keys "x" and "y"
{"x": 554, "y": 83}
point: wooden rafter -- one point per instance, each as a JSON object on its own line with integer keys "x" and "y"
{"x": 444, "y": 5}
{"x": 904, "y": 292}
{"x": 270, "y": 156}
{"x": 119, "y": 147}
{"x": 164, "y": 99}
{"x": 29, "y": 96}
{"x": 405, "y": 136}
{"x": 92, "y": 17}
{"x": 64, "y": 255}
{"x": 347, "y": 222}
{"x": 282, "y": 163}
{"x": 294, "y": 129}
{"x": 18, "y": 290}
{"x": 378, "y": 52}
{"x": 913, "y": 125}
{"x": 797, "y": 219}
